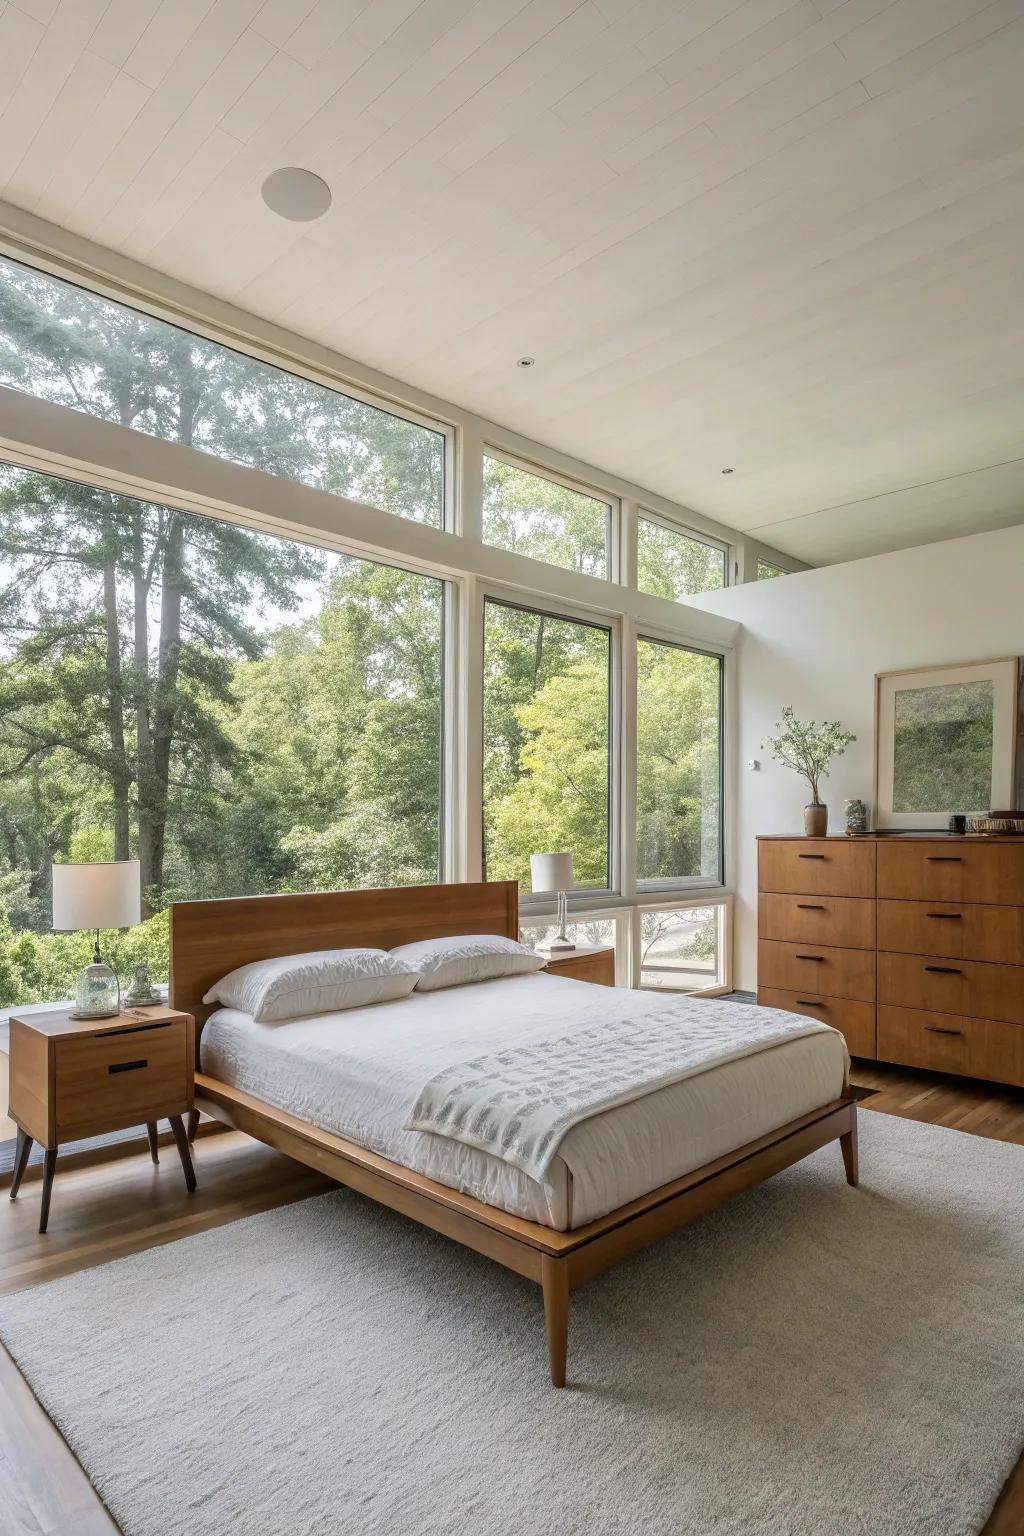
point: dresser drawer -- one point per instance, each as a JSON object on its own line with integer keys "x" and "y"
{"x": 952, "y": 871}
{"x": 816, "y": 866}
{"x": 854, "y": 1020}
{"x": 109, "y": 1080}
{"x": 961, "y": 930}
{"x": 847, "y": 922}
{"x": 948, "y": 1042}
{"x": 818, "y": 969}
{"x": 944, "y": 985}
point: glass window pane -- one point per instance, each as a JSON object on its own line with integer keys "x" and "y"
{"x": 679, "y": 745}
{"x": 675, "y": 565}
{"x": 596, "y": 932}
{"x": 766, "y": 571}
{"x": 241, "y": 712}
{"x": 546, "y": 743}
{"x": 541, "y": 518}
{"x": 71, "y": 346}
{"x": 682, "y": 950}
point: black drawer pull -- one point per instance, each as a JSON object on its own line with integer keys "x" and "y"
{"x": 811, "y": 906}
{"x": 820, "y": 958}
{"x": 938, "y": 1029}
{"x": 944, "y": 970}
{"x": 127, "y": 1066}
{"x": 809, "y": 1002}
{"x": 944, "y": 858}
{"x": 811, "y": 856}
{"x": 950, "y": 917}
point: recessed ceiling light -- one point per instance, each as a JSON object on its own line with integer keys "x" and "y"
{"x": 296, "y": 194}
{"x": 728, "y": 471}
{"x": 525, "y": 362}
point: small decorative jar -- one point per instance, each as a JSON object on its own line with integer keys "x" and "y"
{"x": 856, "y": 816}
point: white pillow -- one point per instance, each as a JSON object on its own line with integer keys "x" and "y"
{"x": 324, "y": 981}
{"x": 467, "y": 957}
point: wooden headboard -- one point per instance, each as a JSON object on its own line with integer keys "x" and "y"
{"x": 211, "y": 938}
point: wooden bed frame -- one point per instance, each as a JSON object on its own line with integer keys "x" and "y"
{"x": 211, "y": 938}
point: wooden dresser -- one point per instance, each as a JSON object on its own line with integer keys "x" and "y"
{"x": 912, "y": 945}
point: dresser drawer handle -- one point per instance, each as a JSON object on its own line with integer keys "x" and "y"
{"x": 819, "y": 958}
{"x": 127, "y": 1066}
{"x": 811, "y": 906}
{"x": 944, "y": 970}
{"x": 944, "y": 858}
{"x": 939, "y": 1029}
{"x": 950, "y": 917}
{"x": 809, "y": 1002}
{"x": 821, "y": 856}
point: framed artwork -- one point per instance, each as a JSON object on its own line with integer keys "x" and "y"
{"x": 945, "y": 741}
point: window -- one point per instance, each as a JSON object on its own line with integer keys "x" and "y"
{"x": 766, "y": 571}
{"x": 68, "y": 345}
{"x": 593, "y": 932}
{"x": 241, "y": 712}
{"x": 679, "y": 763}
{"x": 683, "y": 949}
{"x": 547, "y": 753}
{"x": 535, "y": 516}
{"x": 674, "y": 564}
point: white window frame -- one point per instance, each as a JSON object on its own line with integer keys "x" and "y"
{"x": 671, "y": 525}
{"x": 56, "y": 440}
{"x": 723, "y": 903}
{"x": 492, "y": 450}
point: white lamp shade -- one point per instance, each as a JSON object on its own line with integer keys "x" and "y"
{"x": 550, "y": 872}
{"x": 97, "y": 895}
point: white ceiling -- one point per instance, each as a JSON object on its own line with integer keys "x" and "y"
{"x": 780, "y": 235}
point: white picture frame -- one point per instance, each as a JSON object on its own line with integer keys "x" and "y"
{"x": 1001, "y": 678}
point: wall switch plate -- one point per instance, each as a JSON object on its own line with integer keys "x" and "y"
{"x": 753, "y": 765}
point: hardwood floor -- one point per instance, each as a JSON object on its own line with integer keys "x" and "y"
{"x": 106, "y": 1211}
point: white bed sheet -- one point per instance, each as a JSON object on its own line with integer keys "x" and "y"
{"x": 358, "y": 1073}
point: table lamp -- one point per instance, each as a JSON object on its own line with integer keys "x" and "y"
{"x": 553, "y": 872}
{"x": 96, "y": 896}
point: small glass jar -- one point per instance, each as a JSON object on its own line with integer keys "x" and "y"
{"x": 97, "y": 993}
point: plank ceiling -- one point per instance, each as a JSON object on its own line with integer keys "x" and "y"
{"x": 779, "y": 235}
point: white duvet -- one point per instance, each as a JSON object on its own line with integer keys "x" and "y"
{"x": 359, "y": 1073}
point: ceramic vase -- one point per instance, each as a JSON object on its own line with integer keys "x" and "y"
{"x": 815, "y": 820}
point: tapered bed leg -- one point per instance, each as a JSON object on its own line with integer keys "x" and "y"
{"x": 154, "y": 1143}
{"x": 555, "y": 1285}
{"x": 849, "y": 1146}
{"x": 192, "y": 1124}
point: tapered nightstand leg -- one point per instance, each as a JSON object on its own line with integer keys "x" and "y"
{"x": 21, "y": 1153}
{"x": 181, "y": 1141}
{"x": 49, "y": 1165}
{"x": 154, "y": 1150}
{"x": 193, "y": 1123}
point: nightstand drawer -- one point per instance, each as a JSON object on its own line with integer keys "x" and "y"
{"x": 113, "y": 1079}
{"x": 817, "y": 968}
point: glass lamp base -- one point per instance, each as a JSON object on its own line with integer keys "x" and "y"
{"x": 556, "y": 946}
{"x": 97, "y": 993}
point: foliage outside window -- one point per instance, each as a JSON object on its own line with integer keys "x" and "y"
{"x": 546, "y": 743}
{"x": 70, "y": 346}
{"x": 676, "y": 565}
{"x": 679, "y": 750}
{"x": 535, "y": 516}
{"x": 682, "y": 950}
{"x": 241, "y": 712}
{"x": 766, "y": 571}
{"x": 589, "y": 932}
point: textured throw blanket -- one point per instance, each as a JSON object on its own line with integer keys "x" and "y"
{"x": 519, "y": 1103}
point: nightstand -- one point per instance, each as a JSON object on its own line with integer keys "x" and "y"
{"x": 73, "y": 1078}
{"x": 582, "y": 964}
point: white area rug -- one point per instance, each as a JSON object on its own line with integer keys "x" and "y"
{"x": 810, "y": 1360}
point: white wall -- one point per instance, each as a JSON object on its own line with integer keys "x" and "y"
{"x": 815, "y": 640}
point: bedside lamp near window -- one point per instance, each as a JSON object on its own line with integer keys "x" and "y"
{"x": 553, "y": 872}
{"x": 96, "y": 896}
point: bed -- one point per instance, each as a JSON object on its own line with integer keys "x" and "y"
{"x": 334, "y": 1091}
